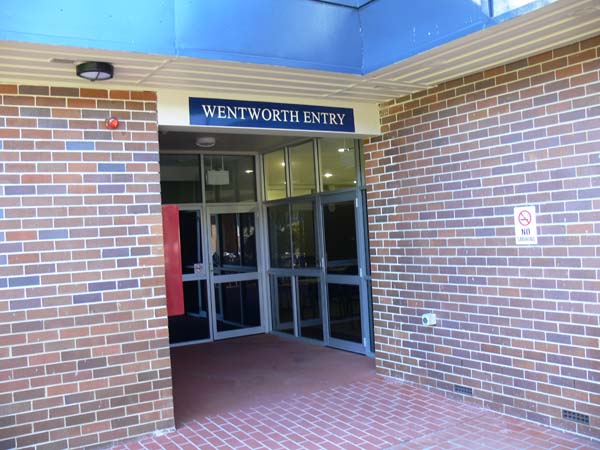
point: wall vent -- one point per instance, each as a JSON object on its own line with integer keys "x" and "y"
{"x": 576, "y": 417}
{"x": 463, "y": 390}
{"x": 61, "y": 61}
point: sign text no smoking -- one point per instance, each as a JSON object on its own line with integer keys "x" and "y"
{"x": 525, "y": 225}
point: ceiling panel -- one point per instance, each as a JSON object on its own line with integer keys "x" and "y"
{"x": 176, "y": 141}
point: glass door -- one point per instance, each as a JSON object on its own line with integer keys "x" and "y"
{"x": 344, "y": 290}
{"x": 194, "y": 324}
{"x": 234, "y": 272}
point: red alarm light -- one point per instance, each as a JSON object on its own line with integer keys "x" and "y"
{"x": 112, "y": 123}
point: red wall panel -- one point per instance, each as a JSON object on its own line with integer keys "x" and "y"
{"x": 174, "y": 282}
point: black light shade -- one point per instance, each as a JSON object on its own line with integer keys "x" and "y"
{"x": 94, "y": 71}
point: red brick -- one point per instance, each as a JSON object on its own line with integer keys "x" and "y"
{"x": 477, "y": 279}
{"x": 143, "y": 95}
{"x": 94, "y": 93}
{"x": 55, "y": 338}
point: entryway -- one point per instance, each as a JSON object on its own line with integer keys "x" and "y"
{"x": 272, "y": 238}
{"x": 221, "y": 277}
{"x": 225, "y": 376}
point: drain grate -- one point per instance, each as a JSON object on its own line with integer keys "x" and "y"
{"x": 463, "y": 389}
{"x": 576, "y": 417}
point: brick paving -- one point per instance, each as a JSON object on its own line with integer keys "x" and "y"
{"x": 375, "y": 414}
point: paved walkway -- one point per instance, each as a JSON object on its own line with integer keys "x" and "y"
{"x": 372, "y": 414}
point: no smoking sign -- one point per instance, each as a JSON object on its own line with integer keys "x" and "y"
{"x": 525, "y": 225}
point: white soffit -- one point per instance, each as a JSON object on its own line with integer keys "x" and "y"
{"x": 555, "y": 25}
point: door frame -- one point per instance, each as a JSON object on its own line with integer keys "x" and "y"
{"x": 259, "y": 275}
{"x": 354, "y": 280}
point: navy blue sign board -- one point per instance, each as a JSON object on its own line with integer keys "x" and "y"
{"x": 235, "y": 113}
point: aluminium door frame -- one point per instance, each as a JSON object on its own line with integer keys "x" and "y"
{"x": 236, "y": 208}
{"x": 199, "y": 277}
{"x": 356, "y": 280}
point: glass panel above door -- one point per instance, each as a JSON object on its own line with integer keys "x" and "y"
{"x": 337, "y": 163}
{"x": 180, "y": 179}
{"x": 229, "y": 179}
{"x": 274, "y": 174}
{"x": 302, "y": 169}
{"x": 340, "y": 238}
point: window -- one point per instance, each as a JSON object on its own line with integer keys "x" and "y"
{"x": 303, "y": 234}
{"x": 337, "y": 168}
{"x": 502, "y": 6}
{"x": 340, "y": 238}
{"x": 337, "y": 162}
{"x": 180, "y": 179}
{"x": 496, "y": 8}
{"x": 283, "y": 304}
{"x": 309, "y": 306}
{"x": 229, "y": 179}
{"x": 274, "y": 165}
{"x": 279, "y": 236}
{"x": 302, "y": 168}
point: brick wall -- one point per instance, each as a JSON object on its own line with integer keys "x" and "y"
{"x": 84, "y": 356}
{"x": 517, "y": 324}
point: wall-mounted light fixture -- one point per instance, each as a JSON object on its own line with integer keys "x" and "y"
{"x": 95, "y": 71}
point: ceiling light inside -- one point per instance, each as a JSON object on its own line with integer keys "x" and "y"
{"x": 205, "y": 141}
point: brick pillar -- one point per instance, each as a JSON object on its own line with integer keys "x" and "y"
{"x": 84, "y": 352}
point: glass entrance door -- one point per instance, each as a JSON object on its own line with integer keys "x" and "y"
{"x": 234, "y": 272}
{"x": 343, "y": 278}
{"x": 194, "y": 324}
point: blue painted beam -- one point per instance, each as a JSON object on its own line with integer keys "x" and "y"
{"x": 395, "y": 30}
{"x": 296, "y": 33}
{"x": 132, "y": 25}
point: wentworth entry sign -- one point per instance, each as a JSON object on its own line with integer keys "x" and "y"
{"x": 243, "y": 114}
